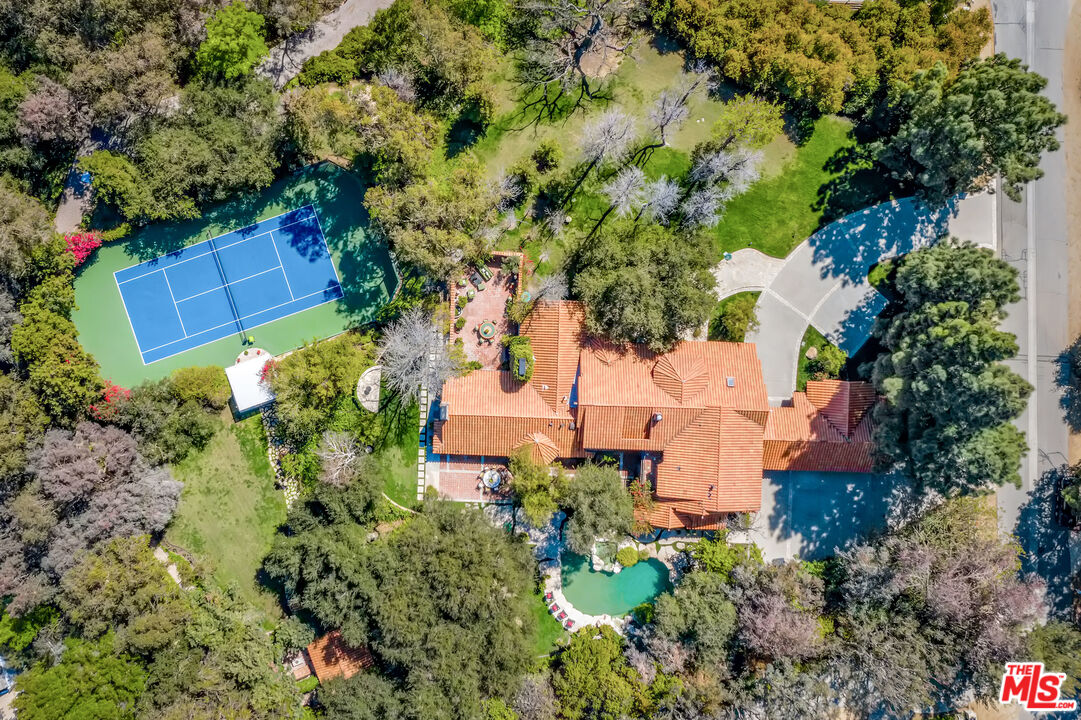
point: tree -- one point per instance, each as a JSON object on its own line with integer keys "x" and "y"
{"x": 644, "y": 284}
{"x": 939, "y": 598}
{"x": 91, "y": 682}
{"x": 593, "y": 681}
{"x": 207, "y": 386}
{"x": 670, "y": 109}
{"x": 828, "y": 362}
{"x": 748, "y": 121}
{"x": 535, "y": 699}
{"x": 955, "y": 135}
{"x": 442, "y": 602}
{"x": 716, "y": 555}
{"x": 536, "y": 488}
{"x": 51, "y": 116}
{"x": 364, "y": 696}
{"x": 167, "y": 429}
{"x": 312, "y": 379}
{"x": 25, "y": 226}
{"x": 22, "y": 424}
{"x": 598, "y": 506}
{"x": 699, "y": 616}
{"x": 118, "y": 182}
{"x": 437, "y": 225}
{"x": 949, "y": 400}
{"x": 120, "y": 586}
{"x": 778, "y": 610}
{"x": 413, "y": 355}
{"x": 234, "y": 42}
{"x": 1058, "y": 646}
{"x": 571, "y": 45}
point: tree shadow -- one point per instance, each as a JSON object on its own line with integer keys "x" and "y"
{"x": 847, "y": 248}
{"x": 1046, "y": 542}
{"x": 1067, "y": 377}
{"x": 854, "y": 329}
{"x": 819, "y": 513}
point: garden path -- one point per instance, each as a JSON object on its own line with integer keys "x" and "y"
{"x": 287, "y": 58}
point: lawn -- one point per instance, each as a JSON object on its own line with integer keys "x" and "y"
{"x": 811, "y": 338}
{"x": 230, "y": 509}
{"x": 780, "y": 212}
{"x": 549, "y": 631}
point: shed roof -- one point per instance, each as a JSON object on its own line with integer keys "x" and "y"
{"x": 245, "y": 380}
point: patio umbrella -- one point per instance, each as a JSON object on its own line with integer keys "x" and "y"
{"x": 542, "y": 449}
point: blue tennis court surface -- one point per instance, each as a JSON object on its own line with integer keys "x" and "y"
{"x": 229, "y": 284}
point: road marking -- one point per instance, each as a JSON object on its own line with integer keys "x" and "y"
{"x": 1030, "y": 289}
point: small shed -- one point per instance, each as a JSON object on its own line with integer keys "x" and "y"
{"x": 246, "y": 382}
{"x": 331, "y": 657}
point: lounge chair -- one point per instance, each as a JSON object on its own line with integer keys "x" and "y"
{"x": 553, "y": 608}
{"x": 561, "y": 616}
{"x": 569, "y": 624}
{"x": 549, "y": 595}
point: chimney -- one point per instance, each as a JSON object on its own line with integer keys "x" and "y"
{"x": 657, "y": 417}
{"x": 731, "y": 381}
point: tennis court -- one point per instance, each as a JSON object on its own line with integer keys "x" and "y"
{"x": 229, "y": 284}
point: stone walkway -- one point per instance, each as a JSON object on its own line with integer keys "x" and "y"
{"x": 287, "y": 58}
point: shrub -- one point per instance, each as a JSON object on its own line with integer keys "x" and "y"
{"x": 307, "y": 684}
{"x": 627, "y": 556}
{"x": 828, "y": 362}
{"x": 325, "y": 67}
{"x": 510, "y": 265}
{"x": 207, "y": 386}
{"x": 547, "y": 156}
{"x": 520, "y": 349}
{"x": 459, "y": 323}
{"x": 735, "y": 318}
{"x": 81, "y": 244}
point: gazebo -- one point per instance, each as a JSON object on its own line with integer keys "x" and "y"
{"x": 541, "y": 448}
{"x": 246, "y": 382}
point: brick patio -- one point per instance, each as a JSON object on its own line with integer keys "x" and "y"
{"x": 489, "y": 304}
{"x": 459, "y": 476}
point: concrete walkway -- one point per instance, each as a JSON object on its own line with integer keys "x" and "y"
{"x": 823, "y": 282}
{"x": 287, "y": 58}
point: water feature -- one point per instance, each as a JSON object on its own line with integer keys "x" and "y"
{"x": 601, "y": 593}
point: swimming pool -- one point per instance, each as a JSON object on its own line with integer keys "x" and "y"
{"x": 601, "y": 593}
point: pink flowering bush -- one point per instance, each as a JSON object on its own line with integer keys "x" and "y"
{"x": 81, "y": 244}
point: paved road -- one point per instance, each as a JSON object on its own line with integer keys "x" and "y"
{"x": 1032, "y": 237}
{"x": 823, "y": 282}
{"x": 286, "y": 59}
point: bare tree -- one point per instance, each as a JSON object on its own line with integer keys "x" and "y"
{"x": 660, "y": 199}
{"x": 737, "y": 168}
{"x": 399, "y": 82}
{"x": 535, "y": 699}
{"x": 671, "y": 107}
{"x": 556, "y": 222}
{"x": 50, "y": 114}
{"x": 703, "y": 207}
{"x": 626, "y": 190}
{"x": 552, "y": 288}
{"x": 607, "y": 138}
{"x": 413, "y": 354}
{"x": 575, "y": 43}
{"x": 340, "y": 458}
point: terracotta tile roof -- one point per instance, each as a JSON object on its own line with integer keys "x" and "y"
{"x": 694, "y": 374}
{"x": 803, "y": 437}
{"x": 669, "y": 515}
{"x": 557, "y": 333}
{"x": 331, "y": 657}
{"x": 843, "y": 403}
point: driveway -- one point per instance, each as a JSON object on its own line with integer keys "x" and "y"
{"x": 812, "y": 515}
{"x": 823, "y": 282}
{"x": 287, "y": 58}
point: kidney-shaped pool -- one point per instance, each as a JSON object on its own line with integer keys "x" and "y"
{"x": 601, "y": 593}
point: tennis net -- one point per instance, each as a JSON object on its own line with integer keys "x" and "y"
{"x": 225, "y": 284}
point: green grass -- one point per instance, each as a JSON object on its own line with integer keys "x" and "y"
{"x": 363, "y": 264}
{"x": 397, "y": 458}
{"x": 714, "y": 329}
{"x": 230, "y": 510}
{"x": 811, "y": 338}
{"x": 549, "y": 631}
{"x": 778, "y": 213}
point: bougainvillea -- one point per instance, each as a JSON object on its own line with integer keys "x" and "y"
{"x": 268, "y": 370}
{"x": 111, "y": 396}
{"x": 81, "y": 244}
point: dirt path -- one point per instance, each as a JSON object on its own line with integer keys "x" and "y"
{"x": 1071, "y": 89}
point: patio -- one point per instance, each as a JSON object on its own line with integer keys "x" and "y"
{"x": 485, "y": 315}
{"x": 460, "y": 479}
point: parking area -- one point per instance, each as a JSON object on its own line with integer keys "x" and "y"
{"x": 811, "y": 515}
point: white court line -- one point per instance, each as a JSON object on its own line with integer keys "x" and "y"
{"x": 173, "y": 298}
{"x": 257, "y": 312}
{"x": 219, "y": 249}
{"x": 234, "y": 282}
{"x": 125, "y": 306}
{"x": 330, "y": 255}
{"x": 282, "y": 266}
{"x": 209, "y": 342}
